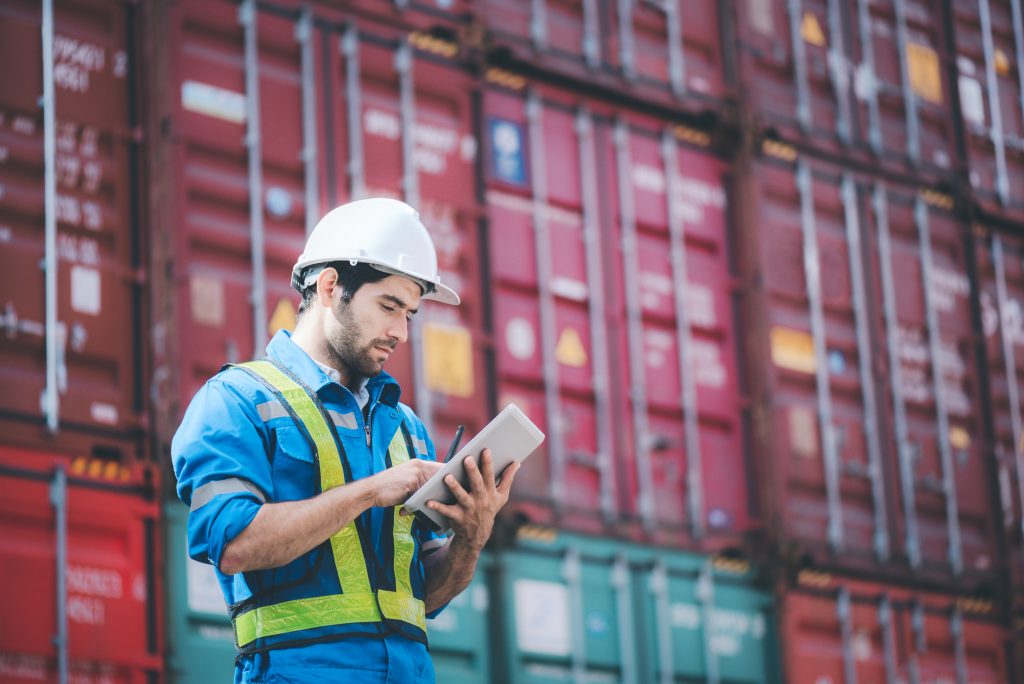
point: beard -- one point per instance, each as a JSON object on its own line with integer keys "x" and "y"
{"x": 343, "y": 345}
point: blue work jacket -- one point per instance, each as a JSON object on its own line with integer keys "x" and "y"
{"x": 238, "y": 448}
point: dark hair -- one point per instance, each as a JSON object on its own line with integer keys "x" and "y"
{"x": 350, "y": 278}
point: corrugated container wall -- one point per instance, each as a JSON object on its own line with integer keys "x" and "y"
{"x": 278, "y": 114}
{"x": 72, "y": 382}
{"x": 870, "y": 422}
{"x": 868, "y": 82}
{"x": 614, "y": 320}
{"x": 989, "y": 57}
{"x": 849, "y": 631}
{"x": 100, "y": 526}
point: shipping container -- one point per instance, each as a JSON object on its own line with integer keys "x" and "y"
{"x": 70, "y": 352}
{"x": 667, "y": 53}
{"x": 867, "y": 81}
{"x": 1000, "y": 273}
{"x": 614, "y": 318}
{"x": 277, "y": 115}
{"x": 79, "y": 554}
{"x": 200, "y": 640}
{"x": 989, "y": 56}
{"x": 578, "y": 608}
{"x": 839, "y": 630}
{"x": 862, "y": 345}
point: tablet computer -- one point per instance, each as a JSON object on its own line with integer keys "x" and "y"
{"x": 511, "y": 436}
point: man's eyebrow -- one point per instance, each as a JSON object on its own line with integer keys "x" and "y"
{"x": 397, "y": 301}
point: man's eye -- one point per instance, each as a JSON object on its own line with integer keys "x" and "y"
{"x": 389, "y": 309}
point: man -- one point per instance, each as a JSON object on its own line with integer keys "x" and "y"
{"x": 295, "y": 469}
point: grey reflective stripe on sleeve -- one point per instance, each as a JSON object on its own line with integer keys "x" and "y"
{"x": 419, "y": 445}
{"x": 432, "y": 545}
{"x": 271, "y": 409}
{"x": 345, "y": 420}
{"x": 205, "y": 494}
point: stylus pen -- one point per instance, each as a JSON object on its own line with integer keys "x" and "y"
{"x": 455, "y": 443}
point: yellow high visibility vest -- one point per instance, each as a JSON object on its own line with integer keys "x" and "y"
{"x": 358, "y": 601}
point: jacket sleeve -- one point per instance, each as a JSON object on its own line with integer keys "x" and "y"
{"x": 221, "y": 463}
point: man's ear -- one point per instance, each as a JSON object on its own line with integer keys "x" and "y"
{"x": 326, "y": 282}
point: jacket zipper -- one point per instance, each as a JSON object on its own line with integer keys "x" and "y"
{"x": 369, "y": 419}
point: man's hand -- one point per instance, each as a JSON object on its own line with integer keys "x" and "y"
{"x": 472, "y": 514}
{"x": 394, "y": 485}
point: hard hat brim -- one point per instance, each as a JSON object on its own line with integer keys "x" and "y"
{"x": 444, "y": 295}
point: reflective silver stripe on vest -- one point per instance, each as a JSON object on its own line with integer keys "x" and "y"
{"x": 272, "y": 409}
{"x": 432, "y": 545}
{"x": 345, "y": 420}
{"x": 420, "y": 446}
{"x": 205, "y": 494}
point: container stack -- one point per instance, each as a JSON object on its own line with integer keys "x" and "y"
{"x": 756, "y": 269}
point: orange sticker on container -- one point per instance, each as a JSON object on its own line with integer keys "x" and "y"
{"x": 1002, "y": 63}
{"x": 925, "y": 76}
{"x": 570, "y": 351}
{"x": 793, "y": 350}
{"x": 810, "y": 30}
{"x": 283, "y": 317}
{"x": 959, "y": 438}
{"x": 448, "y": 358}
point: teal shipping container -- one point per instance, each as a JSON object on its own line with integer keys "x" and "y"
{"x": 573, "y": 608}
{"x": 201, "y": 643}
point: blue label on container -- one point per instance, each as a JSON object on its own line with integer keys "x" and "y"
{"x": 507, "y": 151}
{"x": 836, "y": 362}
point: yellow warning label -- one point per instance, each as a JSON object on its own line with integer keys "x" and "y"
{"x": 793, "y": 350}
{"x": 1002, "y": 63}
{"x": 810, "y": 29}
{"x": 283, "y": 317}
{"x": 570, "y": 351}
{"x": 925, "y": 76}
{"x": 448, "y": 355}
{"x": 207, "y": 300}
{"x": 959, "y": 438}
{"x": 803, "y": 432}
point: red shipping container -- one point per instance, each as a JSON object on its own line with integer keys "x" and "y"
{"x": 590, "y": 336}
{"x": 1000, "y": 261}
{"x": 279, "y": 114}
{"x": 112, "y": 582}
{"x": 96, "y": 365}
{"x": 869, "y": 411}
{"x": 989, "y": 50}
{"x": 847, "y": 631}
{"x": 867, "y": 81}
{"x": 668, "y": 52}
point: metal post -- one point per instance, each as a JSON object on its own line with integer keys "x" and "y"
{"x": 539, "y": 24}
{"x": 591, "y": 46}
{"x": 920, "y": 641}
{"x": 546, "y": 302}
{"x": 706, "y": 595}
{"x": 888, "y": 638}
{"x": 304, "y": 35}
{"x": 353, "y": 102}
{"x": 956, "y": 630}
{"x": 626, "y": 55}
{"x": 51, "y": 394}
{"x": 812, "y": 272}
{"x": 867, "y": 49}
{"x": 1010, "y": 367}
{"x": 803, "y": 103}
{"x": 411, "y": 195}
{"x": 598, "y": 331}
{"x": 942, "y": 417}
{"x": 839, "y": 72}
{"x": 571, "y": 571}
{"x": 634, "y": 324}
{"x": 659, "y": 588}
{"x": 681, "y": 286}
{"x": 865, "y": 364}
{"x": 843, "y": 612}
{"x": 59, "y": 501}
{"x": 247, "y": 16}
{"x": 624, "y": 608}
{"x": 992, "y": 86}
{"x": 676, "y": 48}
{"x": 909, "y": 98}
{"x": 1018, "y": 45}
{"x": 903, "y": 446}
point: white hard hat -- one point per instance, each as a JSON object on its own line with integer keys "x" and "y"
{"x": 384, "y": 233}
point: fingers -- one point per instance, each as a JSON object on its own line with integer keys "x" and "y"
{"x": 487, "y": 469}
{"x": 476, "y": 480}
{"x": 461, "y": 495}
{"x": 454, "y": 513}
{"x": 507, "y": 475}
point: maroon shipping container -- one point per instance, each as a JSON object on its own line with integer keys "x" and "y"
{"x": 869, "y": 414}
{"x": 666, "y": 52}
{"x": 847, "y": 631}
{"x": 989, "y": 52}
{"x": 865, "y": 80}
{"x": 1000, "y": 260}
{"x": 278, "y": 115}
{"x": 635, "y": 385}
{"x": 80, "y": 370}
{"x": 97, "y": 522}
